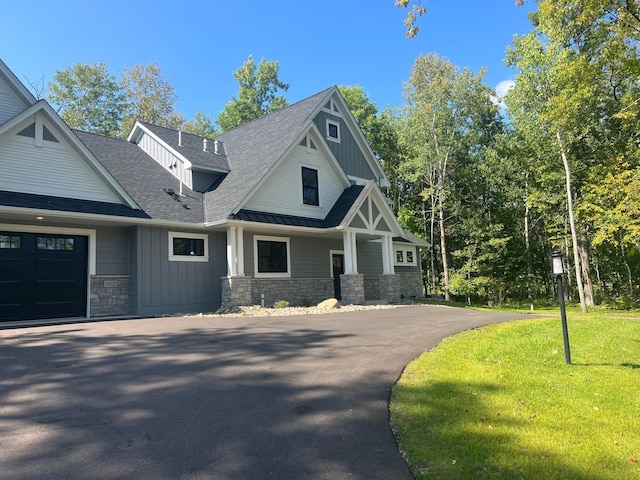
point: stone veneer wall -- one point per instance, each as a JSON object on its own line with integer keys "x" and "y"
{"x": 352, "y": 289}
{"x": 411, "y": 284}
{"x": 390, "y": 288}
{"x": 372, "y": 288}
{"x": 109, "y": 295}
{"x": 296, "y": 291}
{"x": 236, "y": 291}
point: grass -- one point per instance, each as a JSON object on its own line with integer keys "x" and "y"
{"x": 500, "y": 402}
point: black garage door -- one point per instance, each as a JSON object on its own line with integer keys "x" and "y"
{"x": 42, "y": 276}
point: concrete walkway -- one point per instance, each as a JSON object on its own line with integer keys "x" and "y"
{"x": 298, "y": 397}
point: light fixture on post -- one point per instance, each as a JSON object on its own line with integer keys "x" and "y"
{"x": 558, "y": 271}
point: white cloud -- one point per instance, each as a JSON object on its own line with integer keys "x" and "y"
{"x": 503, "y": 87}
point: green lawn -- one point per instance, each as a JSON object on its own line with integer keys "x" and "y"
{"x": 500, "y": 402}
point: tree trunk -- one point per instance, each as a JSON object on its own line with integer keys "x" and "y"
{"x": 527, "y": 243}
{"x": 572, "y": 223}
{"x": 626, "y": 264}
{"x": 443, "y": 252}
{"x": 586, "y": 271}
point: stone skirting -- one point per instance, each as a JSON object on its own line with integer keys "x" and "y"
{"x": 411, "y": 284}
{"x": 236, "y": 291}
{"x": 296, "y": 291}
{"x": 390, "y": 288}
{"x": 352, "y": 289}
{"x": 109, "y": 295}
{"x": 355, "y": 289}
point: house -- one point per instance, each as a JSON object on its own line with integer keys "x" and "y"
{"x": 287, "y": 207}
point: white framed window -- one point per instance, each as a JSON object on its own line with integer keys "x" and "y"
{"x": 405, "y": 256}
{"x": 271, "y": 256}
{"x": 310, "y": 190}
{"x": 188, "y": 247}
{"x": 333, "y": 131}
{"x": 332, "y": 108}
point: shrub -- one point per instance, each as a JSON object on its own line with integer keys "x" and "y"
{"x": 281, "y": 304}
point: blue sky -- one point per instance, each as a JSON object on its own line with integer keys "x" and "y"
{"x": 199, "y": 43}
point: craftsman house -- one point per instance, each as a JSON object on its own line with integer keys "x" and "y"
{"x": 287, "y": 207}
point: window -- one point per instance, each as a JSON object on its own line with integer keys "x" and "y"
{"x": 188, "y": 247}
{"x": 405, "y": 255}
{"x": 310, "y": 194}
{"x": 333, "y": 131}
{"x": 54, "y": 243}
{"x": 12, "y": 242}
{"x": 271, "y": 256}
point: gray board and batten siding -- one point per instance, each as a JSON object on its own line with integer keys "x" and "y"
{"x": 347, "y": 151}
{"x": 167, "y": 287}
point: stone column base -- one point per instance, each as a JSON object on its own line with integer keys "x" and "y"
{"x": 352, "y": 289}
{"x": 236, "y": 291}
{"x": 390, "y": 288}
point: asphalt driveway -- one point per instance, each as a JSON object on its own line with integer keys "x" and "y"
{"x": 298, "y": 397}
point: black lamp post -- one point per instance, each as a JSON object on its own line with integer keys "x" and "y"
{"x": 558, "y": 271}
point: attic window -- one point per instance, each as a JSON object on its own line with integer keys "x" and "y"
{"x": 47, "y": 135}
{"x": 333, "y": 131}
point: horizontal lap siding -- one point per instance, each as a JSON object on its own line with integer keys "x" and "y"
{"x": 282, "y": 191}
{"x": 53, "y": 169}
{"x": 10, "y": 104}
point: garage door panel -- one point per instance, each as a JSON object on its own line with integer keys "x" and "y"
{"x": 44, "y": 277}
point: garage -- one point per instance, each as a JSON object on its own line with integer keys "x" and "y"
{"x": 42, "y": 276}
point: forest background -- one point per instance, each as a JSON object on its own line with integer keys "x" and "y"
{"x": 495, "y": 185}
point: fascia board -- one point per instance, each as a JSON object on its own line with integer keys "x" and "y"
{"x": 94, "y": 217}
{"x": 74, "y": 141}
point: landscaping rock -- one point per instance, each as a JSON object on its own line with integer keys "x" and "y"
{"x": 329, "y": 303}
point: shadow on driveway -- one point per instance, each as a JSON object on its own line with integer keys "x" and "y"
{"x": 213, "y": 397}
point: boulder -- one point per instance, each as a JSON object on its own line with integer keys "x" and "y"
{"x": 329, "y": 303}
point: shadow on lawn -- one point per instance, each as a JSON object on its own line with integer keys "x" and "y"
{"x": 447, "y": 431}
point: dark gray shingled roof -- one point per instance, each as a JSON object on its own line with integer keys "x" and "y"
{"x": 253, "y": 148}
{"x": 44, "y": 202}
{"x": 192, "y": 148}
{"x": 144, "y": 179}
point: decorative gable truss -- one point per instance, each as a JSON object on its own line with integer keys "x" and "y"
{"x": 53, "y": 161}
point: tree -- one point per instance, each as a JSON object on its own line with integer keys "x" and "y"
{"x": 445, "y": 105}
{"x": 88, "y": 98}
{"x": 416, "y": 10}
{"x": 201, "y": 125}
{"x": 258, "y": 94}
{"x": 150, "y": 98}
{"x": 572, "y": 97}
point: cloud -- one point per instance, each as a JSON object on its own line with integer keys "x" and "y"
{"x": 503, "y": 87}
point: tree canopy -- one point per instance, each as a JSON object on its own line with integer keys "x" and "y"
{"x": 258, "y": 94}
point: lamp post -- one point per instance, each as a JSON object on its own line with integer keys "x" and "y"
{"x": 558, "y": 271}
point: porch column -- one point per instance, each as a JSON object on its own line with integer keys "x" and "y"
{"x": 240, "y": 251}
{"x": 235, "y": 251}
{"x": 387, "y": 255}
{"x": 232, "y": 270}
{"x": 350, "y": 253}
